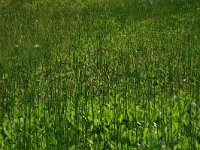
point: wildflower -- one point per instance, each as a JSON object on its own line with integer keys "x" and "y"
{"x": 36, "y": 46}
{"x": 154, "y": 124}
{"x": 194, "y": 104}
{"x": 16, "y": 46}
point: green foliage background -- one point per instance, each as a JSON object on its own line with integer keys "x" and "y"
{"x": 88, "y": 74}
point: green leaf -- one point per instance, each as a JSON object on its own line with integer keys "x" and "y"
{"x": 1, "y": 139}
{"x": 145, "y": 132}
{"x": 7, "y": 134}
{"x": 121, "y": 118}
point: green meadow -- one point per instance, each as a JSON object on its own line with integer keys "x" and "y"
{"x": 99, "y": 74}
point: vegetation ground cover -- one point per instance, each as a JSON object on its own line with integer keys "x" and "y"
{"x": 90, "y": 74}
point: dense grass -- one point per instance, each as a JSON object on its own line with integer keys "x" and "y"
{"x": 90, "y": 74}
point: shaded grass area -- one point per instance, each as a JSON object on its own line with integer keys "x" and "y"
{"x": 105, "y": 75}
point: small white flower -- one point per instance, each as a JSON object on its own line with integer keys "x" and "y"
{"x": 16, "y": 46}
{"x": 36, "y": 46}
{"x": 155, "y": 125}
{"x": 193, "y": 104}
